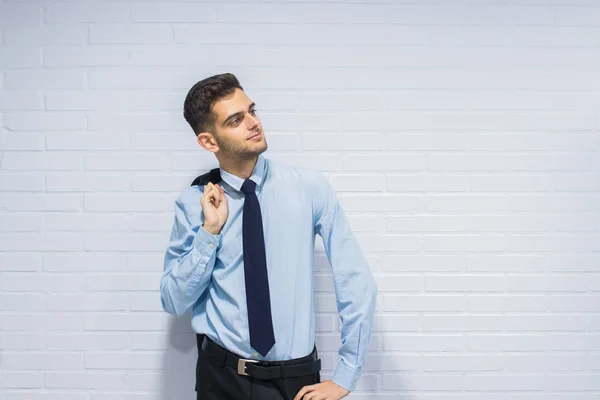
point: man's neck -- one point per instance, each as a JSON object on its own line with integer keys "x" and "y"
{"x": 242, "y": 168}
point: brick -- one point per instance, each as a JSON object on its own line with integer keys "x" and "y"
{"x": 124, "y": 322}
{"x": 119, "y": 123}
{"x": 423, "y": 381}
{"x": 42, "y": 202}
{"x": 456, "y": 362}
{"x": 506, "y": 263}
{"x": 21, "y": 141}
{"x": 545, "y": 362}
{"x": 144, "y": 381}
{"x": 49, "y": 122}
{"x": 46, "y": 322}
{"x": 574, "y": 302}
{"x": 128, "y": 78}
{"x": 470, "y": 243}
{"x": 178, "y": 12}
{"x": 379, "y": 162}
{"x": 20, "y": 223}
{"x": 122, "y": 282}
{"x": 511, "y": 183}
{"x": 20, "y": 100}
{"x": 419, "y": 183}
{"x": 20, "y": 380}
{"x": 324, "y": 142}
{"x": 95, "y": 12}
{"x": 21, "y": 341}
{"x": 104, "y": 100}
{"x": 40, "y": 282}
{"x": 20, "y": 302}
{"x": 462, "y": 323}
{"x": 89, "y": 223}
{"x": 418, "y": 302}
{"x": 42, "y": 161}
{"x": 86, "y": 341}
{"x": 145, "y": 302}
{"x": 399, "y": 283}
{"x": 506, "y": 382}
{"x": 86, "y": 57}
{"x": 36, "y": 79}
{"x": 58, "y": 35}
{"x": 357, "y": 183}
{"x": 366, "y": 223}
{"x": 20, "y": 14}
{"x": 124, "y": 242}
{"x": 37, "y": 395}
{"x": 152, "y": 223}
{"x": 86, "y": 380}
{"x": 120, "y": 360}
{"x": 131, "y": 33}
{"x": 421, "y": 263}
{"x": 41, "y": 242}
{"x": 429, "y": 223}
{"x": 127, "y": 162}
{"x": 86, "y": 182}
{"x": 129, "y": 202}
{"x": 465, "y": 283}
{"x": 534, "y": 283}
{"x": 87, "y": 302}
{"x": 87, "y": 141}
{"x": 22, "y": 182}
{"x": 506, "y": 303}
{"x": 161, "y": 183}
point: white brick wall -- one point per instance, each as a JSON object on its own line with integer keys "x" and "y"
{"x": 461, "y": 136}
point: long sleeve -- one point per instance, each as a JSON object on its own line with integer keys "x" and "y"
{"x": 188, "y": 262}
{"x": 355, "y": 287}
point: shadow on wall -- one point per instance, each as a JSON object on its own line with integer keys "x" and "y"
{"x": 181, "y": 354}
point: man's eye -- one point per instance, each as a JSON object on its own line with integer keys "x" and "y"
{"x": 252, "y": 111}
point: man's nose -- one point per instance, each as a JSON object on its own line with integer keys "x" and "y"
{"x": 251, "y": 122}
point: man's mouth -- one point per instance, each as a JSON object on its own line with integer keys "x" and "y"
{"x": 255, "y": 135}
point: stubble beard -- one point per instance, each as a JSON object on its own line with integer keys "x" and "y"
{"x": 241, "y": 152}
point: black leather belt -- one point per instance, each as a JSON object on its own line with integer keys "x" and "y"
{"x": 308, "y": 365}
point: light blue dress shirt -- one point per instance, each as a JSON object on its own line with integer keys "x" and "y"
{"x": 205, "y": 272}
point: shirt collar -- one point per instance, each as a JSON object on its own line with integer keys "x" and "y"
{"x": 257, "y": 175}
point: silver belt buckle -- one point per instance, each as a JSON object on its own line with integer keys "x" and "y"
{"x": 242, "y": 366}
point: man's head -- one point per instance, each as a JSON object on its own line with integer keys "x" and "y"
{"x": 224, "y": 118}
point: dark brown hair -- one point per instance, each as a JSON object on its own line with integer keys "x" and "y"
{"x": 197, "y": 108}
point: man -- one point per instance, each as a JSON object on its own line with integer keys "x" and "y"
{"x": 240, "y": 256}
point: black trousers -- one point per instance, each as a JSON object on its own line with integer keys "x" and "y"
{"x": 218, "y": 381}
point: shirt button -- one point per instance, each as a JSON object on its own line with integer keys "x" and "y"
{"x": 255, "y": 354}
{"x": 211, "y": 245}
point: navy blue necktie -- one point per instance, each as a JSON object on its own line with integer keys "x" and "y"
{"x": 262, "y": 337}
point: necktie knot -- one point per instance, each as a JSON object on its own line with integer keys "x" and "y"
{"x": 248, "y": 186}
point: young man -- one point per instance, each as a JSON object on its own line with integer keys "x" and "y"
{"x": 240, "y": 257}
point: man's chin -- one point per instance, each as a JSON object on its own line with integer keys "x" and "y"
{"x": 261, "y": 149}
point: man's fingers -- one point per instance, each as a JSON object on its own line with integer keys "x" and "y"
{"x": 301, "y": 393}
{"x": 311, "y": 396}
{"x": 211, "y": 194}
{"x": 216, "y": 195}
{"x": 305, "y": 390}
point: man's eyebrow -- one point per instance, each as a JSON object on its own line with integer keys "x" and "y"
{"x": 237, "y": 114}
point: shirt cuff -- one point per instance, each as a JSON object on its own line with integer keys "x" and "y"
{"x": 205, "y": 242}
{"x": 346, "y": 376}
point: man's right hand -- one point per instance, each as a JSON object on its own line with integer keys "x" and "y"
{"x": 214, "y": 207}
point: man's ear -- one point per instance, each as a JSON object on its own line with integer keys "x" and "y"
{"x": 207, "y": 141}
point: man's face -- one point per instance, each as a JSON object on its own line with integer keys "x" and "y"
{"x": 238, "y": 129}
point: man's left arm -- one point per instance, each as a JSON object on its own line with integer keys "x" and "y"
{"x": 355, "y": 287}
